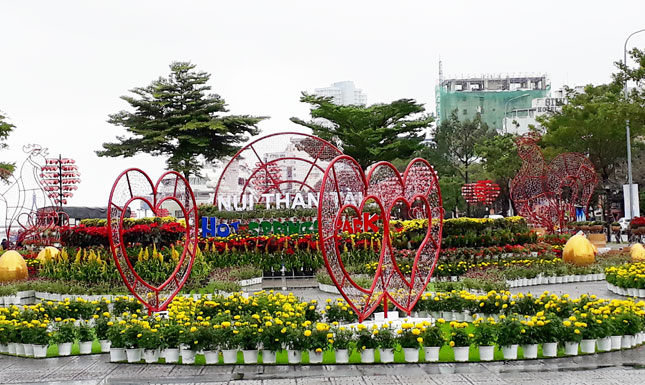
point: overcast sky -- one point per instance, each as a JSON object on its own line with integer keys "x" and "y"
{"x": 64, "y": 64}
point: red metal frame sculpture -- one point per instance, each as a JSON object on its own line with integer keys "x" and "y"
{"x": 134, "y": 185}
{"x": 547, "y": 195}
{"x": 483, "y": 192}
{"x": 263, "y": 175}
{"x": 27, "y": 205}
{"x": 346, "y": 191}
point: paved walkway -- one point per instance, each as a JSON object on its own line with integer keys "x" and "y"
{"x": 622, "y": 367}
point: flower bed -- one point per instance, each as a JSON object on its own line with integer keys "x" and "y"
{"x": 627, "y": 279}
{"x": 268, "y": 327}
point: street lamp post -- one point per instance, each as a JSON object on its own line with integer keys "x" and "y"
{"x": 629, "y": 147}
{"x": 506, "y": 107}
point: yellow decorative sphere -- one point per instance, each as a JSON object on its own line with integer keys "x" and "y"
{"x": 44, "y": 256}
{"x": 638, "y": 252}
{"x": 579, "y": 251}
{"x": 12, "y": 267}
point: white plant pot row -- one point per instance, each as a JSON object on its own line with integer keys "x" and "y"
{"x": 631, "y": 292}
{"x": 542, "y": 280}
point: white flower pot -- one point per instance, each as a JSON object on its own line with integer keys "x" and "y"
{"x": 458, "y": 316}
{"x": 604, "y": 344}
{"x": 411, "y": 354}
{"x": 641, "y": 293}
{"x": 627, "y": 342}
{"x": 40, "y": 351}
{"x": 342, "y": 356}
{"x": 530, "y": 351}
{"x": 85, "y": 347}
{"x": 11, "y": 348}
{"x": 150, "y": 355}
{"x": 4, "y": 348}
{"x": 558, "y": 279}
{"x": 588, "y": 346}
{"x": 171, "y": 355}
{"x": 616, "y": 342}
{"x": 432, "y": 353}
{"x": 133, "y": 354}
{"x": 446, "y": 315}
{"x": 250, "y": 356}
{"x": 551, "y": 280}
{"x": 268, "y": 357}
{"x": 187, "y": 356}
{"x": 632, "y": 292}
{"x": 294, "y": 356}
{"x": 468, "y": 317}
{"x": 29, "y": 350}
{"x": 367, "y": 356}
{"x": 571, "y": 348}
{"x": 576, "y": 278}
{"x": 315, "y": 357}
{"x": 65, "y": 349}
{"x": 116, "y": 354}
{"x": 105, "y": 345}
{"x": 230, "y": 356}
{"x": 211, "y": 357}
{"x": 387, "y": 355}
{"x": 20, "y": 349}
{"x": 510, "y": 352}
{"x": 550, "y": 349}
{"x": 486, "y": 353}
{"x": 435, "y": 314}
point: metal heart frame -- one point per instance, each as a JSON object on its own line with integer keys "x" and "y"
{"x": 132, "y": 185}
{"x": 387, "y": 188}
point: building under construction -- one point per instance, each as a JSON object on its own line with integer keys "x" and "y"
{"x": 493, "y": 96}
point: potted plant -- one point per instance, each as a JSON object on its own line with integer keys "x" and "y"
{"x": 117, "y": 345}
{"x": 40, "y": 339}
{"x": 132, "y": 334}
{"x": 548, "y": 333}
{"x": 485, "y": 336}
{"x": 65, "y": 334}
{"x": 386, "y": 343}
{"x": 365, "y": 344}
{"x": 209, "y": 337}
{"x": 432, "y": 339}
{"x": 572, "y": 335}
{"x": 248, "y": 338}
{"x": 188, "y": 341}
{"x": 150, "y": 342}
{"x": 169, "y": 341}
{"x": 228, "y": 342}
{"x": 529, "y": 338}
{"x": 460, "y": 340}
{"x": 409, "y": 338}
{"x": 271, "y": 340}
{"x": 101, "y": 328}
{"x": 85, "y": 337}
{"x": 508, "y": 337}
{"x": 343, "y": 339}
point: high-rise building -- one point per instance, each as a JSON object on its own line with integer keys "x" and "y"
{"x": 343, "y": 93}
{"x": 493, "y": 96}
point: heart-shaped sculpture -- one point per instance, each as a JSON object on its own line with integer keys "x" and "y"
{"x": 134, "y": 185}
{"x": 413, "y": 195}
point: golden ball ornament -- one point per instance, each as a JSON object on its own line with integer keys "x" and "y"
{"x": 638, "y": 252}
{"x": 12, "y": 267}
{"x": 579, "y": 251}
{"x": 47, "y": 254}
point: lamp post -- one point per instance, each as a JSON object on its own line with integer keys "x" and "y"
{"x": 629, "y": 146}
{"x": 506, "y": 107}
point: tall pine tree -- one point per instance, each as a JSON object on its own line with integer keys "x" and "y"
{"x": 177, "y": 117}
{"x": 6, "y": 168}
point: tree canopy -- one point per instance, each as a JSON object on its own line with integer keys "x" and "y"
{"x": 6, "y": 168}
{"x": 177, "y": 117}
{"x": 593, "y": 122}
{"x": 369, "y": 133}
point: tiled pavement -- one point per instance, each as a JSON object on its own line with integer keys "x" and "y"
{"x": 622, "y": 367}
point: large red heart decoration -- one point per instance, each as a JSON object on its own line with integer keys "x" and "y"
{"x": 134, "y": 185}
{"x": 345, "y": 190}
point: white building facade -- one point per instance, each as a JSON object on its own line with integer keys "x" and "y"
{"x": 343, "y": 93}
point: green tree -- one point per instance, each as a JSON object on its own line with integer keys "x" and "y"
{"x": 6, "y": 169}
{"x": 177, "y": 117}
{"x": 501, "y": 162}
{"x": 593, "y": 122}
{"x": 369, "y": 133}
{"x": 455, "y": 143}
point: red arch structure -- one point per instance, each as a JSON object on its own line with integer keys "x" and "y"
{"x": 281, "y": 163}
